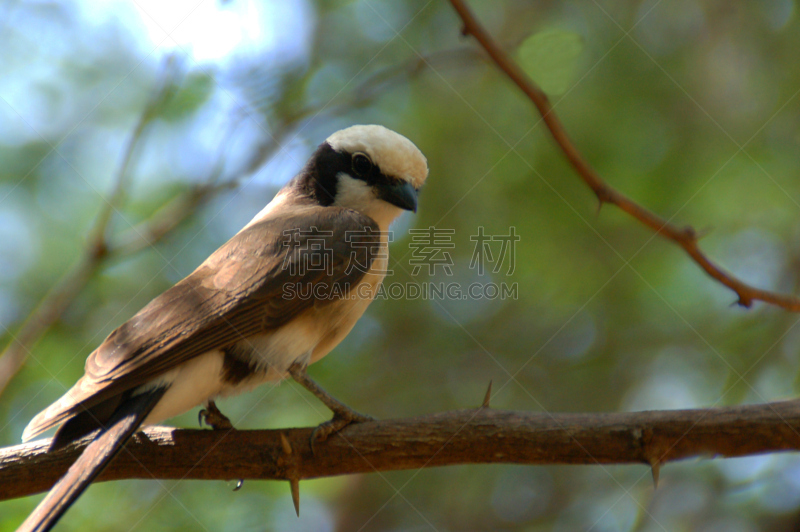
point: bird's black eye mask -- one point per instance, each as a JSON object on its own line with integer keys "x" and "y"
{"x": 362, "y": 167}
{"x": 398, "y": 192}
{"x": 327, "y": 163}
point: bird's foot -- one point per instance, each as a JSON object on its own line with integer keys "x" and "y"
{"x": 340, "y": 420}
{"x": 212, "y": 417}
{"x": 343, "y": 415}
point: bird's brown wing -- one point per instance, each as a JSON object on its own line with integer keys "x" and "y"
{"x": 237, "y": 292}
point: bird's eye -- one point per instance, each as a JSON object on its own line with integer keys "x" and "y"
{"x": 361, "y": 164}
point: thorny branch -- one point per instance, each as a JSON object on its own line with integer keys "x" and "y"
{"x": 685, "y": 237}
{"x": 472, "y": 436}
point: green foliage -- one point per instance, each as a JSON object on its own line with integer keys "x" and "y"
{"x": 180, "y": 102}
{"x": 551, "y": 57}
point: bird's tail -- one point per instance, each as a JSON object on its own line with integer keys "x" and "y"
{"x": 95, "y": 457}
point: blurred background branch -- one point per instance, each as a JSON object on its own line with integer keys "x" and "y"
{"x": 98, "y": 251}
{"x": 685, "y": 237}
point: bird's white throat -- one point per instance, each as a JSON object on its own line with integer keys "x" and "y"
{"x": 357, "y": 195}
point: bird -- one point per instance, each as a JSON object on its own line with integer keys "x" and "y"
{"x": 275, "y": 298}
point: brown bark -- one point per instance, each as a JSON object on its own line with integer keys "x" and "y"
{"x": 460, "y": 437}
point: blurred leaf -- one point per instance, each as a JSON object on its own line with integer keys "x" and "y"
{"x": 550, "y": 57}
{"x": 293, "y": 94}
{"x": 180, "y": 103}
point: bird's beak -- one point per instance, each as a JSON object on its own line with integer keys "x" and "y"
{"x": 403, "y": 195}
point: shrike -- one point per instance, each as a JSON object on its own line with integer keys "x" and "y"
{"x": 231, "y": 324}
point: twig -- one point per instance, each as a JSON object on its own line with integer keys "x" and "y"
{"x": 460, "y": 437}
{"x": 685, "y": 237}
{"x": 363, "y": 94}
{"x": 58, "y": 299}
{"x": 163, "y": 92}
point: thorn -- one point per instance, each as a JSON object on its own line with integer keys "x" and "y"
{"x": 704, "y": 232}
{"x": 294, "y": 484}
{"x": 464, "y": 31}
{"x": 239, "y": 484}
{"x": 655, "y": 469}
{"x": 488, "y": 396}
{"x": 600, "y": 203}
{"x": 287, "y": 447}
{"x": 603, "y": 196}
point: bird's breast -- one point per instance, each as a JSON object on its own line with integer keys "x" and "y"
{"x": 337, "y": 319}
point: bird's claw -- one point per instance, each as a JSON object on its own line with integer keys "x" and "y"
{"x": 212, "y": 417}
{"x": 343, "y": 415}
{"x": 339, "y": 421}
